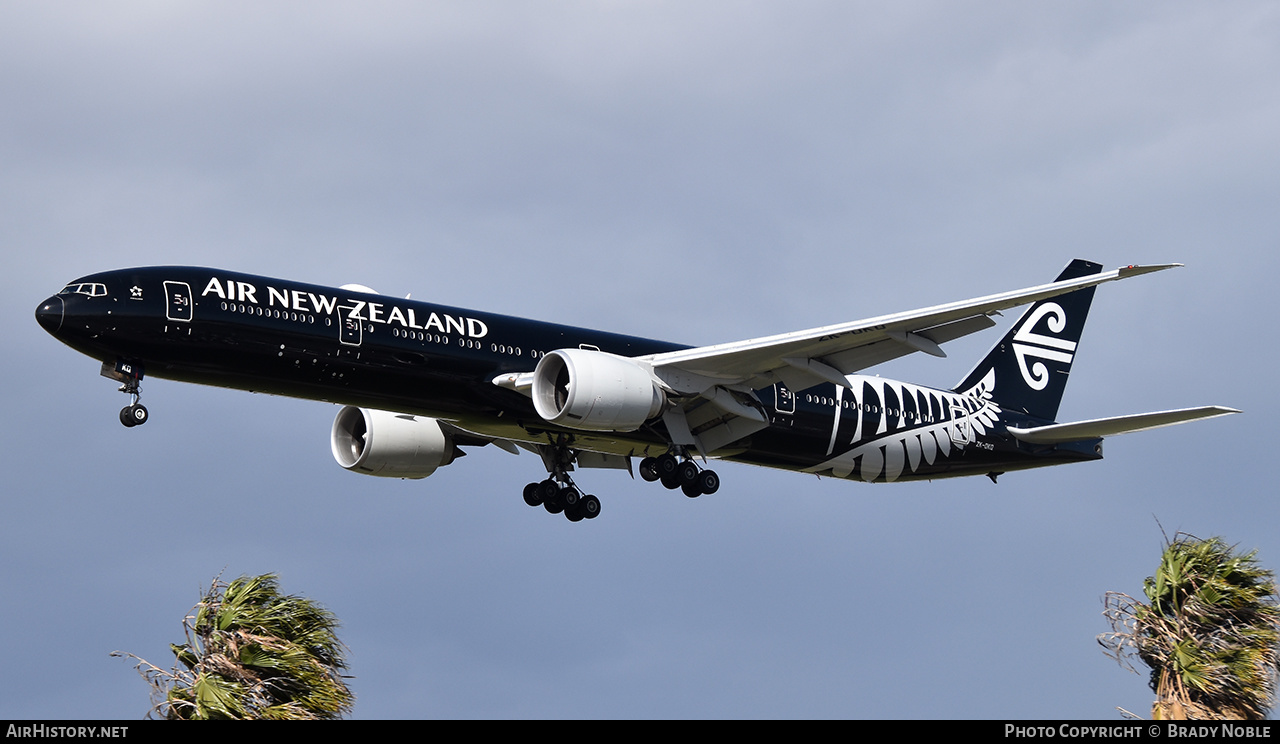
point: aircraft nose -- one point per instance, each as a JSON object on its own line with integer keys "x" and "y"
{"x": 49, "y": 314}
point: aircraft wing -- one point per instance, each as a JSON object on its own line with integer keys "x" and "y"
{"x": 805, "y": 358}
{"x": 714, "y": 384}
{"x": 1104, "y": 427}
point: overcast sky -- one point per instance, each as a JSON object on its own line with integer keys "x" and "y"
{"x": 699, "y": 172}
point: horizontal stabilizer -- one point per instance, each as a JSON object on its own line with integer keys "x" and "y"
{"x": 1106, "y": 427}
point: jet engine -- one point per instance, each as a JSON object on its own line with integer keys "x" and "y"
{"x": 390, "y": 445}
{"x": 587, "y": 389}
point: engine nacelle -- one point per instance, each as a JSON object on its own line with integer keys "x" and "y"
{"x": 391, "y": 445}
{"x": 586, "y": 389}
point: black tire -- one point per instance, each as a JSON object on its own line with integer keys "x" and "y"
{"x": 667, "y": 466}
{"x": 140, "y": 414}
{"x": 708, "y": 482}
{"x": 687, "y": 473}
{"x": 670, "y": 483}
{"x": 533, "y": 494}
{"x": 574, "y": 514}
{"x": 691, "y": 490}
{"x": 649, "y": 469}
{"x": 548, "y": 490}
{"x": 551, "y": 496}
{"x": 126, "y": 417}
{"x": 569, "y": 496}
{"x": 589, "y": 506}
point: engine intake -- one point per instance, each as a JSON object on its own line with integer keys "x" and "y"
{"x": 586, "y": 389}
{"x": 390, "y": 445}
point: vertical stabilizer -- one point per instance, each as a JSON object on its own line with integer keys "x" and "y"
{"x": 1032, "y": 362}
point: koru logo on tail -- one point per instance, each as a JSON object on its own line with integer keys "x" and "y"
{"x": 1028, "y": 343}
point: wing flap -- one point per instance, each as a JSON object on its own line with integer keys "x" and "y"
{"x": 1105, "y": 427}
{"x": 900, "y": 343}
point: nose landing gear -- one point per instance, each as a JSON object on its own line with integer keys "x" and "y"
{"x": 134, "y": 414}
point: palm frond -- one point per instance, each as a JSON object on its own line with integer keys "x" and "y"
{"x": 1209, "y": 631}
{"x": 254, "y": 653}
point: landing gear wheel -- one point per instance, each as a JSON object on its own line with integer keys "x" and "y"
{"x": 691, "y": 490}
{"x": 649, "y": 469}
{"x": 547, "y": 491}
{"x": 533, "y": 494}
{"x": 708, "y": 482}
{"x": 667, "y": 466}
{"x": 574, "y": 514}
{"x": 570, "y": 497}
{"x": 687, "y": 473}
{"x": 670, "y": 482}
{"x": 134, "y": 415}
{"x": 551, "y": 496}
{"x": 589, "y": 507}
{"x": 553, "y": 506}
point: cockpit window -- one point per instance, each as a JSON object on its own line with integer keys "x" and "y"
{"x": 92, "y": 289}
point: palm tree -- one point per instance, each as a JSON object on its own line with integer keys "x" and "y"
{"x": 1208, "y": 632}
{"x": 253, "y": 653}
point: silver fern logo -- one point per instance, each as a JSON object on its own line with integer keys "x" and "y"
{"x": 1028, "y": 343}
{"x": 887, "y": 445}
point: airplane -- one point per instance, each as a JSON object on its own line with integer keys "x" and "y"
{"x": 417, "y": 382}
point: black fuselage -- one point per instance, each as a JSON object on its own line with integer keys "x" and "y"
{"x": 353, "y": 347}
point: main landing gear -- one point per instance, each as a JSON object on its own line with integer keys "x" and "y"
{"x": 558, "y": 494}
{"x": 557, "y": 497}
{"x": 680, "y": 473}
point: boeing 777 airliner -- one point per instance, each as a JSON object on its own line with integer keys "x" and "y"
{"x": 419, "y": 381}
